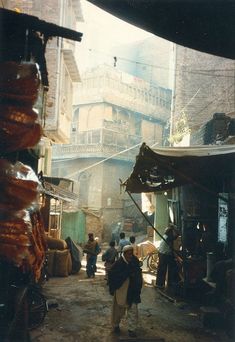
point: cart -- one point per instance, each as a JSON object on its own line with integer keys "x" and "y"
{"x": 148, "y": 251}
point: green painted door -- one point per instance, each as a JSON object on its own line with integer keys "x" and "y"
{"x": 73, "y": 225}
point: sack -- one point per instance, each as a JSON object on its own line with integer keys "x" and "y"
{"x": 70, "y": 269}
{"x": 50, "y": 254}
{"x": 61, "y": 263}
{"x": 56, "y": 243}
{"x": 76, "y": 255}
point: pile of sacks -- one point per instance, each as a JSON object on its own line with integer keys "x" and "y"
{"x": 63, "y": 257}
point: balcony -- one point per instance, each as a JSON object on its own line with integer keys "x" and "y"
{"x": 100, "y": 143}
{"x": 153, "y": 103}
{"x": 68, "y": 48}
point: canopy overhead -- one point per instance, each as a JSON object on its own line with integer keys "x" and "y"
{"x": 204, "y": 25}
{"x": 166, "y": 168}
{"x": 52, "y": 188}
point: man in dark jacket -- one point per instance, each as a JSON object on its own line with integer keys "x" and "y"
{"x": 125, "y": 283}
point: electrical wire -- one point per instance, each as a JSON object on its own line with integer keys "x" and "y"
{"x": 203, "y": 72}
{"x": 210, "y": 103}
{"x": 101, "y": 161}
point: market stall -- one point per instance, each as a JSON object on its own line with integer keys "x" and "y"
{"x": 23, "y": 77}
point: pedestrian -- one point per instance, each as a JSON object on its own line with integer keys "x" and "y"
{"x": 122, "y": 242}
{"x": 109, "y": 257}
{"x": 134, "y": 245}
{"x": 91, "y": 249}
{"x": 125, "y": 283}
{"x": 115, "y": 229}
{"x": 97, "y": 251}
{"x": 166, "y": 258}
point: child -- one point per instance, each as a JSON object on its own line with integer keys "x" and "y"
{"x": 109, "y": 256}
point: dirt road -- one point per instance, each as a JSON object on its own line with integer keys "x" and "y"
{"x": 82, "y": 314}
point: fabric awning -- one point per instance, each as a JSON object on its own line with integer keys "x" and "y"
{"x": 166, "y": 168}
{"x": 204, "y": 25}
{"x": 58, "y": 192}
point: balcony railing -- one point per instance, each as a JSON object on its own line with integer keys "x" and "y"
{"x": 100, "y": 143}
{"x": 105, "y": 136}
{"x": 154, "y": 102}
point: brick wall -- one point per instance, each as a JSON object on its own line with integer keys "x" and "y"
{"x": 204, "y": 86}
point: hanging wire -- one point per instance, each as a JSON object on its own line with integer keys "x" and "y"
{"x": 202, "y": 72}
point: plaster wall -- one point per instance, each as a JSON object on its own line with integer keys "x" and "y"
{"x": 91, "y": 116}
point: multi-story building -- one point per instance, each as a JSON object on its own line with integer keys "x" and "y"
{"x": 62, "y": 70}
{"x": 114, "y": 113}
{"x": 55, "y": 100}
{"x": 148, "y": 59}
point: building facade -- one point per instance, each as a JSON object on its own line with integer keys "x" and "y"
{"x": 148, "y": 59}
{"x": 204, "y": 84}
{"x": 113, "y": 113}
{"x": 56, "y": 106}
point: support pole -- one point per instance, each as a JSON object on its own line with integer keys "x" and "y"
{"x": 150, "y": 223}
{"x": 174, "y": 251}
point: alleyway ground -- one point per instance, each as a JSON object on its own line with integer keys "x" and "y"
{"x": 83, "y": 314}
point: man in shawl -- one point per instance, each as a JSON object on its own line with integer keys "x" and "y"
{"x": 125, "y": 283}
{"x": 91, "y": 249}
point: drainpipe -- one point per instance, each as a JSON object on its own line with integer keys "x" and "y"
{"x": 173, "y": 89}
{"x": 58, "y": 73}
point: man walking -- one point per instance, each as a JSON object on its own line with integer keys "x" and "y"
{"x": 125, "y": 283}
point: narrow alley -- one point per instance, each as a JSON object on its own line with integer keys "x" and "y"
{"x": 79, "y": 311}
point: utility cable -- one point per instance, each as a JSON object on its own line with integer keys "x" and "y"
{"x": 103, "y": 160}
{"x": 203, "y": 72}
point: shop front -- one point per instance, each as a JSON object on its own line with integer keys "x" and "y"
{"x": 194, "y": 188}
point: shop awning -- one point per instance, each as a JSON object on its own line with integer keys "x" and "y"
{"x": 23, "y": 36}
{"x": 204, "y": 25}
{"x": 58, "y": 192}
{"x": 166, "y": 168}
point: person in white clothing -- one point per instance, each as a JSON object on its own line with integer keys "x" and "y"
{"x": 125, "y": 283}
{"x": 166, "y": 258}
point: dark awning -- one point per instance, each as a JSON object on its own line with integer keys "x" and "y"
{"x": 204, "y": 25}
{"x": 58, "y": 192}
{"x": 166, "y": 168}
{"x": 24, "y": 37}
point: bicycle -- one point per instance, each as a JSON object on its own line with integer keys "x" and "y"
{"x": 152, "y": 261}
{"x": 22, "y": 307}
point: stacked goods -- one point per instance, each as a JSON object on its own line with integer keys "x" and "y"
{"x": 18, "y": 186}
{"x": 146, "y": 248}
{"x": 59, "y": 259}
{"x": 22, "y": 239}
{"x": 19, "y": 86}
{"x": 128, "y": 225}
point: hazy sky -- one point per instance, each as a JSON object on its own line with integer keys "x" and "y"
{"x": 101, "y": 31}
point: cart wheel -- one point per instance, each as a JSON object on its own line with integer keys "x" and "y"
{"x": 37, "y": 308}
{"x": 152, "y": 261}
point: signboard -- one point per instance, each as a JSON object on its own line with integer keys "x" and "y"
{"x": 223, "y": 217}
